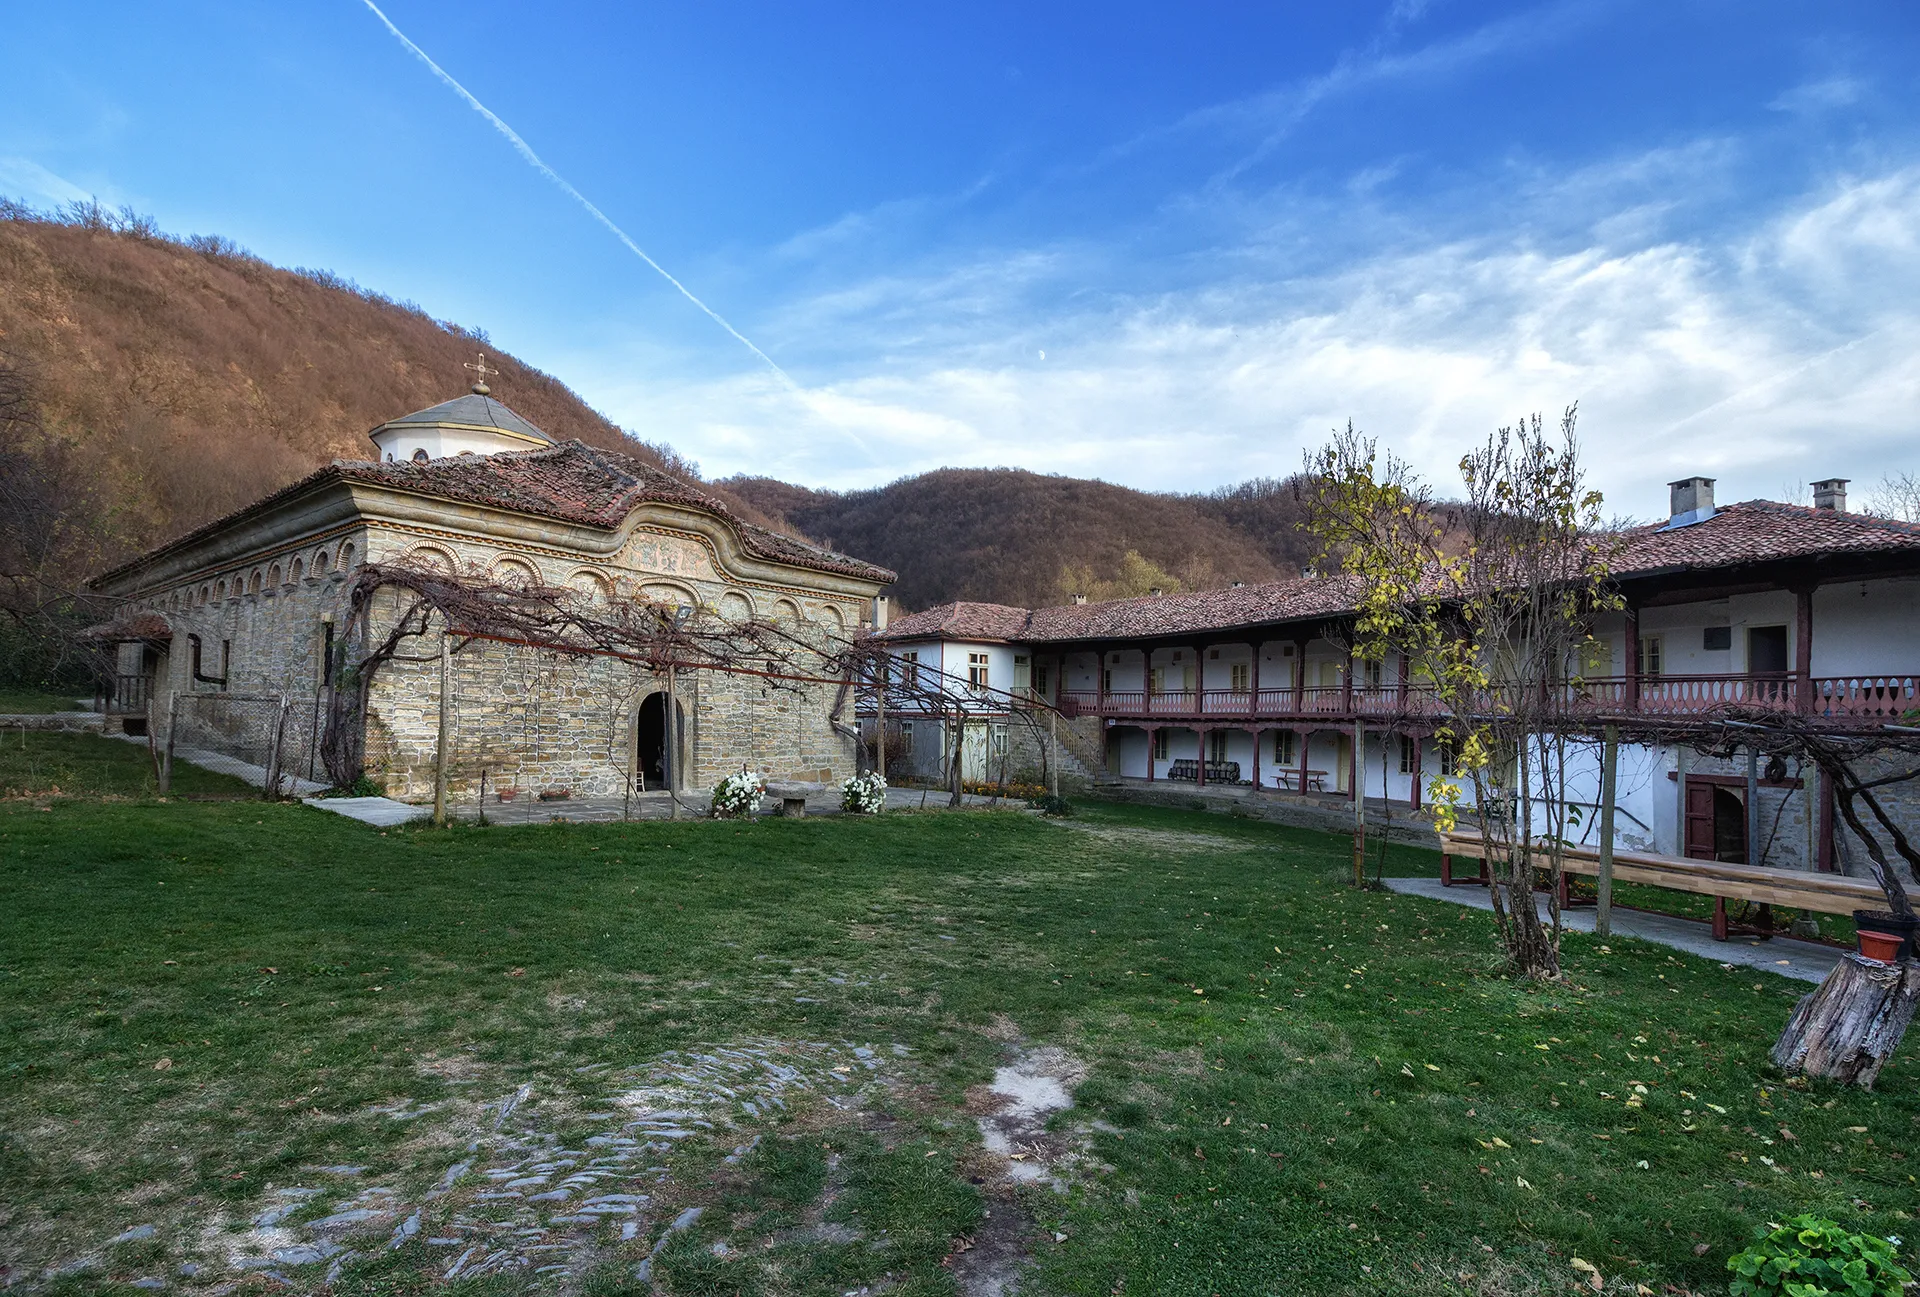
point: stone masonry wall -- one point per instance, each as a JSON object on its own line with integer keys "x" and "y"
{"x": 537, "y": 720}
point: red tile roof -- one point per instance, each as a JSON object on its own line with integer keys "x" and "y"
{"x": 125, "y": 630}
{"x": 1757, "y": 531}
{"x": 570, "y": 482}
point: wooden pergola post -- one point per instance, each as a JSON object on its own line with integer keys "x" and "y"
{"x": 1609, "y": 780}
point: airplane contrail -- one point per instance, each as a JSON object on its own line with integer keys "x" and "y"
{"x": 525, "y": 150}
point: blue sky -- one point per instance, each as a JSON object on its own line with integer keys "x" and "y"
{"x": 1167, "y": 245}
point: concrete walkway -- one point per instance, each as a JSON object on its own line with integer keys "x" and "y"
{"x": 384, "y": 812}
{"x": 1804, "y": 960}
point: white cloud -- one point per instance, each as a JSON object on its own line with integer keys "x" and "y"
{"x": 24, "y": 178}
{"x": 1819, "y": 96}
{"x": 1790, "y": 352}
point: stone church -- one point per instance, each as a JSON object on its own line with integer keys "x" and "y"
{"x": 243, "y": 614}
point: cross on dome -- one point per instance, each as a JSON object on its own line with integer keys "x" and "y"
{"x": 480, "y": 372}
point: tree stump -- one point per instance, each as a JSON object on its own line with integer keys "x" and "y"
{"x": 1849, "y": 1027}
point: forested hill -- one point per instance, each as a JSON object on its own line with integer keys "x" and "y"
{"x": 160, "y": 383}
{"x": 1009, "y": 536}
{"x": 149, "y": 384}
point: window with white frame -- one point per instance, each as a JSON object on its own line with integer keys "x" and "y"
{"x": 1159, "y": 745}
{"x": 1284, "y": 751}
{"x": 1649, "y": 655}
{"x": 977, "y": 673}
{"x": 1240, "y": 677}
{"x": 1409, "y": 753}
{"x": 1022, "y": 673}
{"x": 910, "y": 668}
{"x": 1217, "y": 746}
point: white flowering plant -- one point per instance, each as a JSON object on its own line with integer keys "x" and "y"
{"x": 864, "y": 794}
{"x": 737, "y": 797}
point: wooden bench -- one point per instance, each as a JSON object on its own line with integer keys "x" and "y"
{"x": 1218, "y": 772}
{"x": 1795, "y": 888}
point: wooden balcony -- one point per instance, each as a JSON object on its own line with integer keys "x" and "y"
{"x": 1842, "y": 699}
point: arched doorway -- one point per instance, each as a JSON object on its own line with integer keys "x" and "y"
{"x": 650, "y": 738}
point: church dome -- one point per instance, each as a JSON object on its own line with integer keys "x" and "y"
{"x": 472, "y": 424}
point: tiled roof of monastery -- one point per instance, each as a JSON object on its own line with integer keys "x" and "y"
{"x": 569, "y": 481}
{"x": 140, "y": 626}
{"x": 1760, "y": 531}
{"x": 1757, "y": 531}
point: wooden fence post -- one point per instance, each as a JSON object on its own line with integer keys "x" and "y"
{"x": 1609, "y": 782}
{"x": 440, "y": 751}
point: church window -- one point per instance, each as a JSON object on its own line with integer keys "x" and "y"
{"x": 203, "y": 596}
{"x": 320, "y": 563}
{"x": 253, "y": 582}
{"x": 220, "y": 592}
{"x": 299, "y": 570}
{"x": 346, "y": 557}
{"x": 273, "y": 576}
{"x": 419, "y": 456}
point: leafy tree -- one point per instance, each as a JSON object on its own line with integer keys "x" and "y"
{"x": 1493, "y": 630}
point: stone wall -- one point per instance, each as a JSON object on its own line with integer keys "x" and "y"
{"x": 527, "y": 718}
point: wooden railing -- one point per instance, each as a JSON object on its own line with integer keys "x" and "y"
{"x": 1841, "y": 698}
{"x": 130, "y": 694}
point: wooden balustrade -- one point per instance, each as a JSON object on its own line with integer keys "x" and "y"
{"x": 1842, "y": 698}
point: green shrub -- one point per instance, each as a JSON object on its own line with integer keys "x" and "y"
{"x": 1052, "y": 804}
{"x": 1811, "y": 1256}
{"x": 364, "y": 786}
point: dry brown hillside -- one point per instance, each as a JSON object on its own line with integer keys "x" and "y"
{"x": 1008, "y": 536}
{"x": 187, "y": 378}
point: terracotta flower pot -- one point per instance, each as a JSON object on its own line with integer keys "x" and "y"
{"x": 1883, "y": 936}
{"x": 1883, "y": 946}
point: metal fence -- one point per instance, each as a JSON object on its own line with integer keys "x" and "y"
{"x": 268, "y": 740}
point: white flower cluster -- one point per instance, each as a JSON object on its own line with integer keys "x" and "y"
{"x": 737, "y": 797}
{"x": 864, "y": 794}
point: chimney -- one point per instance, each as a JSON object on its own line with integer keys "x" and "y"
{"x": 879, "y": 612}
{"x": 1079, "y": 599}
{"x": 1156, "y": 592}
{"x": 1831, "y": 493}
{"x": 1692, "y": 500}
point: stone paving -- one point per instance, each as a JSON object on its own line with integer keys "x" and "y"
{"x": 1804, "y": 961}
{"x": 520, "y": 1200}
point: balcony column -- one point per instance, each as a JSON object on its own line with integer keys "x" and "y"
{"x": 1632, "y": 659}
{"x": 1200, "y": 733}
{"x": 1418, "y": 759}
{"x": 1253, "y": 699}
{"x": 1803, "y": 646}
{"x": 1346, "y": 684}
{"x": 1299, "y": 678}
{"x": 1100, "y": 655}
{"x": 1403, "y": 684}
{"x": 1151, "y": 731}
{"x": 1306, "y": 741}
{"x": 1256, "y": 749}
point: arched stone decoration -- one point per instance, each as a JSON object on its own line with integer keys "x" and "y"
{"x": 736, "y": 607}
{"x": 515, "y": 573}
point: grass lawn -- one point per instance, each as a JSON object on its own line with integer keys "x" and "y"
{"x": 25, "y": 700}
{"x": 44, "y": 765}
{"x": 228, "y": 1013}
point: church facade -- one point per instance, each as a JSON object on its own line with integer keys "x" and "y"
{"x": 253, "y": 608}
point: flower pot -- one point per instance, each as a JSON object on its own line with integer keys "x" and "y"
{"x": 1884, "y": 936}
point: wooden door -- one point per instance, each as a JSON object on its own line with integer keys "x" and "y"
{"x": 1699, "y": 828}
